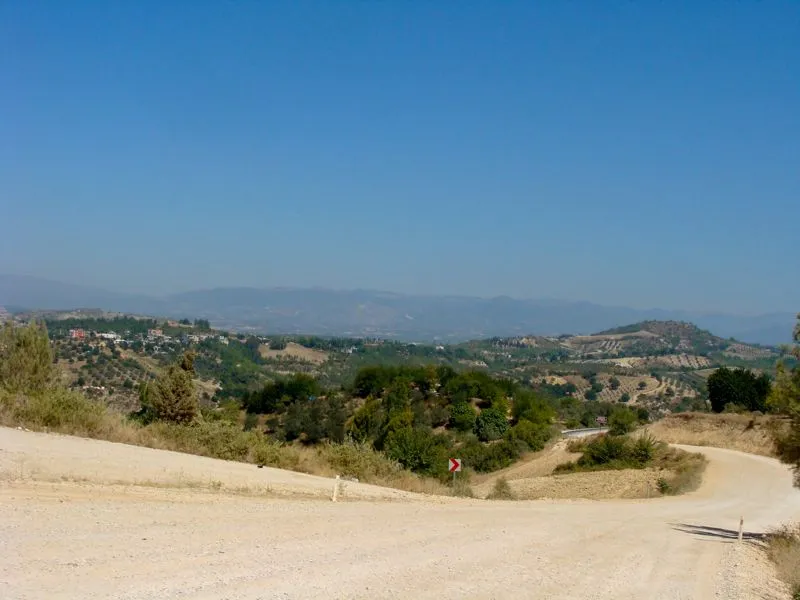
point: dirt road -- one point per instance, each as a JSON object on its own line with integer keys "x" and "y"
{"x": 82, "y": 540}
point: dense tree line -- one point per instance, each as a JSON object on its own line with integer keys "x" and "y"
{"x": 738, "y": 387}
{"x": 421, "y": 415}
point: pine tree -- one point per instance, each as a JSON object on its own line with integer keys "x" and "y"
{"x": 173, "y": 397}
{"x": 26, "y": 359}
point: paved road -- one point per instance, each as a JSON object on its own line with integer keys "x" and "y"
{"x": 88, "y": 541}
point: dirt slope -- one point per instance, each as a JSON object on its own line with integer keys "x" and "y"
{"x": 86, "y": 541}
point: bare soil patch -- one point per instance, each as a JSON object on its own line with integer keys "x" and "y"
{"x": 296, "y": 351}
{"x": 598, "y": 485}
{"x": 84, "y": 541}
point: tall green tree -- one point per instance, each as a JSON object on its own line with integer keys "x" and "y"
{"x": 173, "y": 397}
{"x": 785, "y": 398}
{"x": 26, "y": 359}
{"x": 527, "y": 405}
{"x": 490, "y": 425}
{"x": 738, "y": 386}
{"x": 462, "y": 416}
{"x": 367, "y": 421}
{"x": 335, "y": 419}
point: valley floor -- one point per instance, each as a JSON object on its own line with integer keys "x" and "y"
{"x": 89, "y": 519}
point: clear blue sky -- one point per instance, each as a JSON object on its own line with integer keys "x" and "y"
{"x": 642, "y": 154}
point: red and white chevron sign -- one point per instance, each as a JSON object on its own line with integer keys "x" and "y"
{"x": 455, "y": 465}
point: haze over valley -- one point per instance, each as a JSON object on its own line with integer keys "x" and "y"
{"x": 360, "y": 313}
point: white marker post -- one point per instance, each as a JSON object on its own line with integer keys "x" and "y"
{"x": 335, "y": 488}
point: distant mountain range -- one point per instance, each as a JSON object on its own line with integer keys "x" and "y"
{"x": 380, "y": 314}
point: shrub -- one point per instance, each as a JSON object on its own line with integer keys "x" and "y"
{"x": 534, "y": 436}
{"x": 621, "y": 452}
{"x": 418, "y": 450}
{"x": 785, "y": 399}
{"x": 686, "y": 469}
{"x": 26, "y": 359}
{"x": 605, "y": 449}
{"x": 531, "y": 407}
{"x": 462, "y": 416}
{"x": 489, "y": 457}
{"x": 783, "y": 548}
{"x": 738, "y": 386}
{"x": 644, "y": 448}
{"x": 250, "y": 421}
{"x": 173, "y": 397}
{"x": 621, "y": 421}
{"x": 360, "y": 460}
{"x": 367, "y": 421}
{"x": 462, "y": 489}
{"x": 490, "y": 425}
{"x": 501, "y": 490}
{"x": 58, "y": 410}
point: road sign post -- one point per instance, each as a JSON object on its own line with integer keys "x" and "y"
{"x": 455, "y": 467}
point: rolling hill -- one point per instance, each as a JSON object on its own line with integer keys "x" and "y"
{"x": 381, "y": 314}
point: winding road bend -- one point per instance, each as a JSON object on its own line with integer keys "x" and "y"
{"x": 74, "y": 526}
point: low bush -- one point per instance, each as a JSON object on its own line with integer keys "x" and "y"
{"x": 58, "y": 410}
{"x": 462, "y": 489}
{"x": 783, "y": 548}
{"x": 419, "y": 450}
{"x": 501, "y": 491}
{"x": 359, "y": 460}
{"x": 485, "y": 458}
{"x": 683, "y": 470}
{"x": 532, "y": 435}
{"x": 621, "y": 421}
{"x": 644, "y": 448}
{"x": 612, "y": 452}
{"x": 491, "y": 424}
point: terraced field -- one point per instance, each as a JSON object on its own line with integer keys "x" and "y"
{"x": 676, "y": 361}
{"x": 627, "y": 384}
{"x": 746, "y": 352}
{"x": 687, "y": 361}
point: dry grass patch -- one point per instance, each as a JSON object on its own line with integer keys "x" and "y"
{"x": 783, "y": 548}
{"x": 746, "y": 433}
{"x": 676, "y": 471}
{"x": 668, "y": 471}
{"x": 68, "y": 412}
{"x": 297, "y": 351}
{"x": 501, "y": 491}
{"x": 597, "y": 485}
{"x": 680, "y": 472}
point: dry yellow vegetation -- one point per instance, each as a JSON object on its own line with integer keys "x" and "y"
{"x": 533, "y": 477}
{"x": 783, "y": 548}
{"x": 745, "y": 433}
{"x": 296, "y": 351}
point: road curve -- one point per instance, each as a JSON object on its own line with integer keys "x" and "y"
{"x": 88, "y": 541}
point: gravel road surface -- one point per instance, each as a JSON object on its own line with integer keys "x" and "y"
{"x": 97, "y": 535}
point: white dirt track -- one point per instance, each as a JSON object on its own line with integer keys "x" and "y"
{"x": 98, "y": 536}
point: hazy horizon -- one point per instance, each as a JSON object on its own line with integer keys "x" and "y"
{"x": 157, "y": 295}
{"x": 638, "y": 156}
